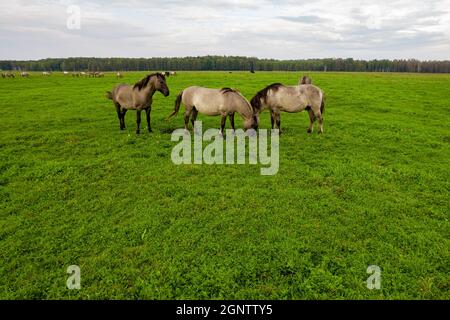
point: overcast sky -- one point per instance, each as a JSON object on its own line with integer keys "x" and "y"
{"x": 281, "y": 29}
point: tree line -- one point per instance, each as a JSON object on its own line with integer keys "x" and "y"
{"x": 226, "y": 63}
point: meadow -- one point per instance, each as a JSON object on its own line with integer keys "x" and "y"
{"x": 372, "y": 190}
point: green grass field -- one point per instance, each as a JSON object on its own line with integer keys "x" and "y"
{"x": 373, "y": 190}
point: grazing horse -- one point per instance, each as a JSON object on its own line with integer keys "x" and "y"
{"x": 214, "y": 102}
{"x": 305, "y": 80}
{"x": 279, "y": 98}
{"x": 138, "y": 97}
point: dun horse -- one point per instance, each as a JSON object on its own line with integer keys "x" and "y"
{"x": 215, "y": 102}
{"x": 138, "y": 97}
{"x": 279, "y": 98}
{"x": 305, "y": 80}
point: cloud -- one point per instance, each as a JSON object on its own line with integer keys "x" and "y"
{"x": 284, "y": 29}
{"x": 304, "y": 19}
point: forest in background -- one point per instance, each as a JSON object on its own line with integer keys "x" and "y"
{"x": 226, "y": 63}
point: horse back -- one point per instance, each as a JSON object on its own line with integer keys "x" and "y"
{"x": 123, "y": 94}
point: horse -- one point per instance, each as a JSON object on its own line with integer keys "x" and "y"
{"x": 279, "y": 98}
{"x": 305, "y": 80}
{"x": 214, "y": 102}
{"x": 24, "y": 74}
{"x": 138, "y": 97}
{"x": 10, "y": 75}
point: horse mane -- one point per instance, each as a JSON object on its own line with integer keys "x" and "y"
{"x": 226, "y": 90}
{"x": 306, "y": 80}
{"x": 144, "y": 82}
{"x": 229, "y": 90}
{"x": 262, "y": 95}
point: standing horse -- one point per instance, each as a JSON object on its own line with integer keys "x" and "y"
{"x": 305, "y": 80}
{"x": 214, "y": 102}
{"x": 138, "y": 97}
{"x": 279, "y": 98}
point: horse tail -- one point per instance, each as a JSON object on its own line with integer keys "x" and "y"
{"x": 177, "y": 105}
{"x": 322, "y": 104}
{"x": 109, "y": 95}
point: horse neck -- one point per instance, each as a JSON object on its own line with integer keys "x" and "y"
{"x": 148, "y": 91}
{"x": 246, "y": 110}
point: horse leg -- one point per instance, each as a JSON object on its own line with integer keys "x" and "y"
{"x": 320, "y": 123}
{"x": 278, "y": 120}
{"x": 187, "y": 115}
{"x": 138, "y": 121}
{"x": 194, "y": 117}
{"x": 272, "y": 118}
{"x": 319, "y": 116}
{"x": 312, "y": 118}
{"x": 149, "y": 126}
{"x": 232, "y": 121}
{"x": 222, "y": 124}
{"x": 124, "y": 112}
{"x": 119, "y": 115}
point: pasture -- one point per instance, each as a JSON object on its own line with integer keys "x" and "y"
{"x": 372, "y": 190}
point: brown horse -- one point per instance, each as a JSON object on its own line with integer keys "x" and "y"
{"x": 138, "y": 97}
{"x": 279, "y": 98}
{"x": 215, "y": 102}
{"x": 305, "y": 80}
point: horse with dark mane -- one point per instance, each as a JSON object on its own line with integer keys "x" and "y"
{"x": 305, "y": 80}
{"x": 138, "y": 97}
{"x": 279, "y": 98}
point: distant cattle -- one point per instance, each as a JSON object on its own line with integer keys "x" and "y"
{"x": 119, "y": 75}
{"x": 45, "y": 73}
{"x": 24, "y": 74}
